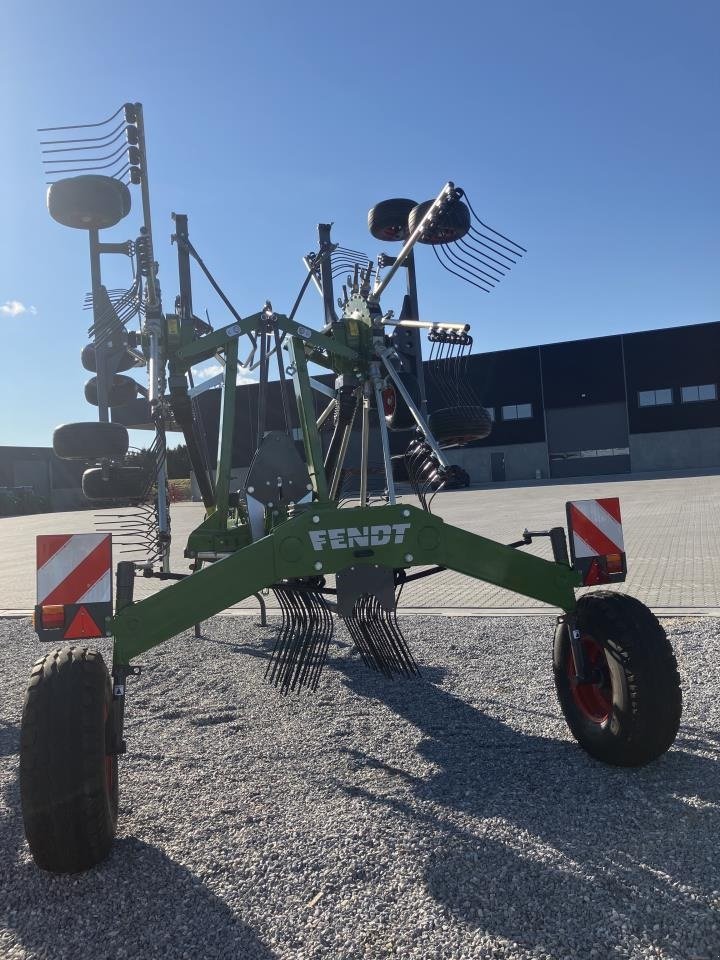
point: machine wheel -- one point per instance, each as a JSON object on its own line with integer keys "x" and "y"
{"x": 88, "y": 359}
{"x": 397, "y": 412}
{"x": 630, "y": 714}
{"x": 457, "y": 426}
{"x": 452, "y": 225}
{"x": 90, "y": 441}
{"x": 389, "y": 220}
{"x": 88, "y": 201}
{"x": 68, "y": 783}
{"x": 122, "y": 390}
{"x": 122, "y": 483}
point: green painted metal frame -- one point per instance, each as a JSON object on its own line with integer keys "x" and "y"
{"x": 289, "y": 552}
{"x": 319, "y": 538}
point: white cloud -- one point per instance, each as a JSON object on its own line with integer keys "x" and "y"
{"x": 205, "y": 373}
{"x": 14, "y": 308}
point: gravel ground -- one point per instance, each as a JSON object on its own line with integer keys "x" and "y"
{"x": 449, "y": 817}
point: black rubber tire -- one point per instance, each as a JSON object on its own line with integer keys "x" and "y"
{"x": 388, "y": 220}
{"x": 641, "y": 680}
{"x": 89, "y": 361}
{"x": 122, "y": 390}
{"x": 90, "y": 200}
{"x": 457, "y": 426}
{"x": 452, "y": 225}
{"x": 401, "y": 418}
{"x": 91, "y": 441}
{"x": 123, "y": 483}
{"x": 68, "y": 785}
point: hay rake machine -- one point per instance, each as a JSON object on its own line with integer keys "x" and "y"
{"x": 286, "y": 528}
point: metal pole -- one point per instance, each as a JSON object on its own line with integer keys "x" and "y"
{"x": 446, "y": 192}
{"x": 152, "y": 295}
{"x": 101, "y": 367}
{"x": 364, "y": 445}
{"x": 326, "y": 413}
{"x": 417, "y": 416}
{"x": 326, "y": 274}
{"x": 417, "y": 342}
{"x": 156, "y": 361}
{"x": 347, "y": 433}
{"x": 384, "y": 437}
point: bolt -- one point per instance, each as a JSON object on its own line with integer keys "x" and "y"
{"x": 318, "y": 565}
{"x": 406, "y": 513}
{"x": 270, "y": 503}
{"x": 408, "y": 558}
{"x": 251, "y": 489}
{"x": 309, "y": 486}
{"x": 316, "y": 519}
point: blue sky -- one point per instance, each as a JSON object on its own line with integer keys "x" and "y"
{"x": 588, "y": 132}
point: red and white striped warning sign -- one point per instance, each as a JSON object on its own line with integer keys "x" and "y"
{"x": 596, "y": 527}
{"x": 74, "y": 568}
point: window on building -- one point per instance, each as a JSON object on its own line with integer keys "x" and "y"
{"x": 655, "y": 398}
{"x": 517, "y": 411}
{"x": 703, "y": 391}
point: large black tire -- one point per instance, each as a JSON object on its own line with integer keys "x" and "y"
{"x": 88, "y": 359}
{"x": 457, "y": 426}
{"x": 631, "y": 713}
{"x": 389, "y": 220}
{"x": 397, "y": 412}
{"x": 91, "y": 441}
{"x": 87, "y": 201}
{"x": 122, "y": 483}
{"x": 68, "y": 784}
{"x": 452, "y": 225}
{"x": 122, "y": 390}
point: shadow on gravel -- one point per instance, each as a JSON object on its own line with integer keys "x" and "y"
{"x": 137, "y": 904}
{"x": 530, "y": 839}
{"x": 9, "y": 739}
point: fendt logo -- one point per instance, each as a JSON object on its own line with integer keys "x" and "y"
{"x": 345, "y": 538}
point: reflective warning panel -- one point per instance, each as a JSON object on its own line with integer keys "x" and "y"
{"x": 597, "y": 545}
{"x": 74, "y": 585}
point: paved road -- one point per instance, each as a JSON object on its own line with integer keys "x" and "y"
{"x": 671, "y": 532}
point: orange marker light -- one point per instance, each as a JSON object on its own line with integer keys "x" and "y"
{"x": 53, "y": 616}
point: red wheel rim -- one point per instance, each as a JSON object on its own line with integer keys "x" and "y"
{"x": 594, "y": 700}
{"x": 389, "y": 400}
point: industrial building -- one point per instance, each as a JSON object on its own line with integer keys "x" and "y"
{"x": 629, "y": 403}
{"x": 51, "y": 483}
{"x": 634, "y": 402}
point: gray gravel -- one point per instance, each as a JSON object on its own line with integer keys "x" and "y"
{"x": 450, "y": 817}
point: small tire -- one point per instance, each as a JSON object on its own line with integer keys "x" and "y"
{"x": 68, "y": 783}
{"x": 88, "y": 358}
{"x": 90, "y": 201}
{"x": 451, "y": 225}
{"x": 458, "y": 426}
{"x": 398, "y": 415}
{"x": 120, "y": 483}
{"x": 91, "y": 441}
{"x": 388, "y": 220}
{"x": 630, "y": 715}
{"x": 122, "y": 390}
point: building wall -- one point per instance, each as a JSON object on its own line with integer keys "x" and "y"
{"x": 672, "y": 359}
{"x": 522, "y": 461}
{"x": 675, "y": 449}
{"x": 584, "y": 399}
